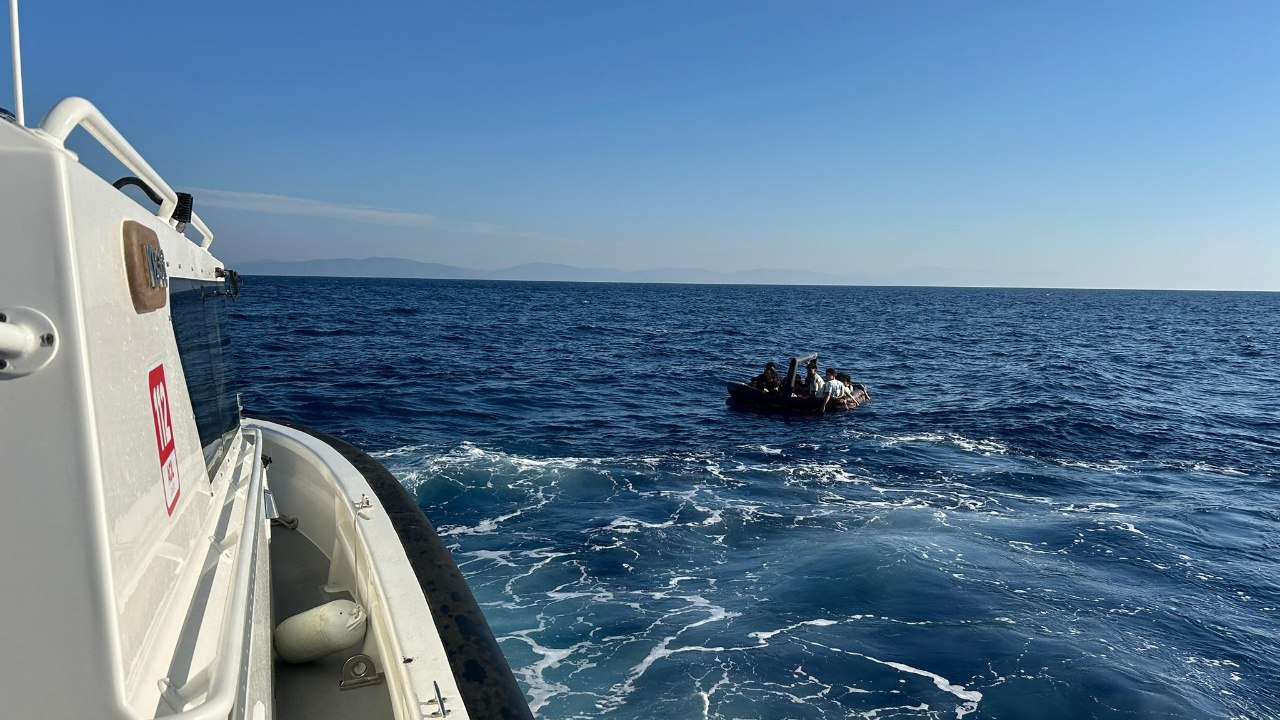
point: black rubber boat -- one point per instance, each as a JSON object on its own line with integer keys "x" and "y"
{"x": 744, "y": 396}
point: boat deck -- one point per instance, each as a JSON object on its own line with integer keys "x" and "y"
{"x": 299, "y": 571}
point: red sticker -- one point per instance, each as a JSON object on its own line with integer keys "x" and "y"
{"x": 164, "y": 437}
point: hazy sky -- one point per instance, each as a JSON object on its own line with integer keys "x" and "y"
{"x": 1115, "y": 144}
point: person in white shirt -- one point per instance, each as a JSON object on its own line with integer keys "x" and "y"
{"x": 813, "y": 383}
{"x": 833, "y": 389}
{"x": 850, "y": 390}
{"x": 833, "y": 386}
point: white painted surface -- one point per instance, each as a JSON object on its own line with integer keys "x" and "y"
{"x": 60, "y": 618}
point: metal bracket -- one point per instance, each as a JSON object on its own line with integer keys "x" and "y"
{"x": 269, "y": 505}
{"x": 438, "y": 701}
{"x": 28, "y": 341}
{"x": 177, "y": 697}
{"x": 225, "y": 545}
{"x": 170, "y": 694}
{"x": 363, "y": 507}
{"x": 359, "y": 671}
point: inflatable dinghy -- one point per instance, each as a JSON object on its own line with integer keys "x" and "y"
{"x": 748, "y": 397}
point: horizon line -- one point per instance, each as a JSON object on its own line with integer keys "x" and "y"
{"x": 705, "y": 284}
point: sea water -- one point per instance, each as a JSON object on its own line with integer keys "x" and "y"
{"x": 1059, "y": 504}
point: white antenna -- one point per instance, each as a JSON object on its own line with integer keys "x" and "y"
{"x": 17, "y": 64}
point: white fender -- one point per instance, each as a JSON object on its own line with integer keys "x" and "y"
{"x": 320, "y": 631}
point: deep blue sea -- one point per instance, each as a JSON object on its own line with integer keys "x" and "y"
{"x": 1061, "y": 504}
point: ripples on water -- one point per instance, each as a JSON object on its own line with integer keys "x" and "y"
{"x": 1060, "y": 504}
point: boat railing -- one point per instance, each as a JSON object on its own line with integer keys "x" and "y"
{"x": 74, "y": 112}
{"x": 221, "y": 676}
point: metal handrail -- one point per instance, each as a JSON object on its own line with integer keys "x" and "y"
{"x": 223, "y": 685}
{"x": 74, "y": 112}
{"x": 19, "y": 114}
{"x": 203, "y": 229}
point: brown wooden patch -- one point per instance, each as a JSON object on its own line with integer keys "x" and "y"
{"x": 145, "y": 267}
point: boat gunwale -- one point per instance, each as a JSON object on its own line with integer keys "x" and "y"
{"x": 483, "y": 676}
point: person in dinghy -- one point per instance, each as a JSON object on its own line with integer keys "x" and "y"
{"x": 768, "y": 381}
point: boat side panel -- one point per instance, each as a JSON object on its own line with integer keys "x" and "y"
{"x": 57, "y": 631}
{"x": 152, "y": 534}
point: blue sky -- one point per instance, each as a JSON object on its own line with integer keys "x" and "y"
{"x": 1091, "y": 144}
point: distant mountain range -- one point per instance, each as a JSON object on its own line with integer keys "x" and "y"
{"x": 401, "y": 268}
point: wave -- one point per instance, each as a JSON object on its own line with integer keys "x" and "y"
{"x": 710, "y": 488}
{"x": 633, "y": 567}
{"x": 983, "y": 446}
